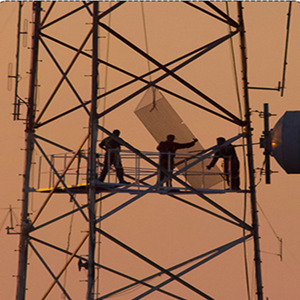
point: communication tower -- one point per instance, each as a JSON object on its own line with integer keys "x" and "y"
{"x": 81, "y": 230}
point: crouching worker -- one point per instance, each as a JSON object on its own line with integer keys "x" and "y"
{"x": 112, "y": 157}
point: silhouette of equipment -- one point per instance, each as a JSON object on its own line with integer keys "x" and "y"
{"x": 82, "y": 264}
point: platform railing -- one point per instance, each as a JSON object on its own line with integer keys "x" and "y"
{"x": 136, "y": 170}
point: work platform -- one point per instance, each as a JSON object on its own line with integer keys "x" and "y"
{"x": 143, "y": 176}
{"x": 102, "y": 187}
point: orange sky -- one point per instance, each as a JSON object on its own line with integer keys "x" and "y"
{"x": 165, "y": 230}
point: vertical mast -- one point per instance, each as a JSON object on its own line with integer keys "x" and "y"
{"x": 30, "y": 123}
{"x": 255, "y": 233}
{"x": 93, "y": 127}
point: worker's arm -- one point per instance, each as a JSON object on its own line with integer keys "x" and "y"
{"x": 185, "y": 145}
{"x": 103, "y": 144}
{"x": 213, "y": 162}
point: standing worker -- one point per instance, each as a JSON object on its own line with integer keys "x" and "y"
{"x": 167, "y": 151}
{"x": 112, "y": 157}
{"x": 231, "y": 163}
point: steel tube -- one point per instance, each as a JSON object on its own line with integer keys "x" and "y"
{"x": 257, "y": 259}
{"x": 91, "y": 176}
{"x": 30, "y": 121}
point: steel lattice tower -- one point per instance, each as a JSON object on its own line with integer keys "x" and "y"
{"x": 54, "y": 74}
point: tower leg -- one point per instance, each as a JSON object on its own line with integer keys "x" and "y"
{"x": 30, "y": 122}
{"x": 93, "y": 128}
{"x": 255, "y": 232}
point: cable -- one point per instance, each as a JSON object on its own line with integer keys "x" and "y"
{"x": 4, "y": 220}
{"x": 273, "y": 230}
{"x": 146, "y": 38}
{"x": 67, "y": 249}
{"x": 244, "y": 156}
{"x": 147, "y": 51}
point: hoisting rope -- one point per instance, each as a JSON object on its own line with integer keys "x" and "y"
{"x": 244, "y": 154}
{"x": 146, "y": 38}
{"x": 147, "y": 51}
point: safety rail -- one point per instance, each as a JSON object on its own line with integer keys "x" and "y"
{"x": 136, "y": 170}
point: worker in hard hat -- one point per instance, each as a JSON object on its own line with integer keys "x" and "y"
{"x": 231, "y": 163}
{"x": 167, "y": 151}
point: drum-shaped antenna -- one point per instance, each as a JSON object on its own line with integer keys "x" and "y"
{"x": 285, "y": 139}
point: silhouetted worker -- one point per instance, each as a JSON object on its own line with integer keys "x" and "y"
{"x": 167, "y": 151}
{"x": 112, "y": 157}
{"x": 231, "y": 163}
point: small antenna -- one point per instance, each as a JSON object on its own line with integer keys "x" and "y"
{"x": 25, "y": 32}
{"x": 9, "y": 76}
{"x": 286, "y": 47}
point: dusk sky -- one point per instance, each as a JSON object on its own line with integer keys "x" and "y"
{"x": 163, "y": 229}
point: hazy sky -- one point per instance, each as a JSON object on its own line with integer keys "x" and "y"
{"x": 163, "y": 229}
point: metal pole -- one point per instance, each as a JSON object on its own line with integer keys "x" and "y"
{"x": 267, "y": 143}
{"x": 248, "y": 128}
{"x": 91, "y": 176}
{"x": 16, "y": 113}
{"x": 30, "y": 121}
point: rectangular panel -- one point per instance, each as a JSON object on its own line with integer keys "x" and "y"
{"x": 160, "y": 119}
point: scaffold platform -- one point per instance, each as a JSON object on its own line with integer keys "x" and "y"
{"x": 142, "y": 176}
{"x": 103, "y": 187}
